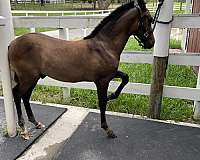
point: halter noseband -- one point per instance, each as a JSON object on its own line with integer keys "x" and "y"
{"x": 146, "y": 35}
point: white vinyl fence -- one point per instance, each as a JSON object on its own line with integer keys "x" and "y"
{"x": 182, "y": 21}
{"x": 59, "y": 13}
{"x": 67, "y": 13}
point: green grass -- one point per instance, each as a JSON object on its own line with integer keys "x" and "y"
{"x": 52, "y": 7}
{"x": 175, "y": 44}
{"x": 174, "y": 109}
{"x": 132, "y": 44}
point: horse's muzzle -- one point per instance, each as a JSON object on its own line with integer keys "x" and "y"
{"x": 149, "y": 44}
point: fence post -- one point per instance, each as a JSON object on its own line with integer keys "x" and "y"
{"x": 84, "y": 32}
{"x": 7, "y": 34}
{"x": 32, "y": 30}
{"x": 64, "y": 34}
{"x": 161, "y": 51}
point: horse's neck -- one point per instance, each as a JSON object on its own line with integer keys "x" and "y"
{"x": 118, "y": 37}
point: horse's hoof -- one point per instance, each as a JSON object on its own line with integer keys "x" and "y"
{"x": 26, "y": 135}
{"x": 39, "y": 125}
{"x": 111, "y": 134}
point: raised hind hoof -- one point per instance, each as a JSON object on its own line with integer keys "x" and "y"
{"x": 39, "y": 125}
{"x": 110, "y": 133}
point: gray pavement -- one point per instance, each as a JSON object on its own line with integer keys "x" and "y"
{"x": 11, "y": 148}
{"x": 137, "y": 140}
{"x": 77, "y": 136}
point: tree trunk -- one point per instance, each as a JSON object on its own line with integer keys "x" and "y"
{"x": 104, "y": 4}
{"x": 42, "y": 2}
{"x": 181, "y": 5}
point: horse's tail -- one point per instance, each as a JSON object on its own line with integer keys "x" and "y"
{"x": 14, "y": 78}
{"x": 13, "y": 75}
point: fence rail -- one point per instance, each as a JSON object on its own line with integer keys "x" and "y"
{"x": 91, "y": 21}
{"x": 62, "y": 13}
{"x": 86, "y": 12}
{"x": 140, "y": 88}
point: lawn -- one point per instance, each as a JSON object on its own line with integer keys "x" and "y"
{"x": 76, "y": 6}
{"x": 52, "y": 6}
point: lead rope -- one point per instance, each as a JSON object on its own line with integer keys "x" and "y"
{"x": 155, "y": 19}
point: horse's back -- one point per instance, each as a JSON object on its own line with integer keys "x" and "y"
{"x": 72, "y": 61}
{"x": 24, "y": 53}
{"x": 30, "y": 47}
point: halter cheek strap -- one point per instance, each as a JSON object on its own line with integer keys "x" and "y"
{"x": 139, "y": 24}
{"x": 139, "y": 9}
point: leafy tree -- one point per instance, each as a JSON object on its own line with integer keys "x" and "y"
{"x": 104, "y": 4}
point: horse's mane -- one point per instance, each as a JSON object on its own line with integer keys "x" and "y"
{"x": 115, "y": 15}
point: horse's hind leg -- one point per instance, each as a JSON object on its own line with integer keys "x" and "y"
{"x": 17, "y": 100}
{"x": 26, "y": 99}
{"x": 102, "y": 87}
{"x": 125, "y": 80}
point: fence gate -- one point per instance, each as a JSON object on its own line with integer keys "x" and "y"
{"x": 194, "y": 34}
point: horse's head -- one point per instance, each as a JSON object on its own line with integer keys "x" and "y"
{"x": 144, "y": 34}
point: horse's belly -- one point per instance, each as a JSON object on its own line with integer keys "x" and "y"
{"x": 73, "y": 76}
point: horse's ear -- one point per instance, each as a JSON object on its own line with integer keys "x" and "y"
{"x": 141, "y": 3}
{"x": 136, "y": 3}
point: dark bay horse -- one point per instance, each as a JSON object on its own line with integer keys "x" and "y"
{"x": 94, "y": 58}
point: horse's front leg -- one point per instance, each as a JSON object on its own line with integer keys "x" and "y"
{"x": 102, "y": 87}
{"x": 125, "y": 80}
